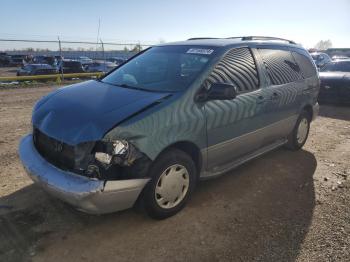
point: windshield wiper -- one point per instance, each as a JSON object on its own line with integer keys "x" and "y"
{"x": 133, "y": 87}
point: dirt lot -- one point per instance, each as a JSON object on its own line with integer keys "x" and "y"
{"x": 284, "y": 206}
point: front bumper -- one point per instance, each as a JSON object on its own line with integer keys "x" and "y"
{"x": 89, "y": 195}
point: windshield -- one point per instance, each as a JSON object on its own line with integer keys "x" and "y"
{"x": 165, "y": 68}
{"x": 338, "y": 66}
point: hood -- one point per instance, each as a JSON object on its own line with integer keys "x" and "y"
{"x": 86, "y": 111}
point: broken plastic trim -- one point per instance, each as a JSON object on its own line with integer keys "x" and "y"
{"x": 117, "y": 160}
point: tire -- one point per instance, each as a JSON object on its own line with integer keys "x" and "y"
{"x": 300, "y": 133}
{"x": 173, "y": 180}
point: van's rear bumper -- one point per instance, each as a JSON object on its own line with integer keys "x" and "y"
{"x": 86, "y": 194}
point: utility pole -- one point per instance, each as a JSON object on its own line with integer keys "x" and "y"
{"x": 60, "y": 49}
{"x": 104, "y": 57}
{"x": 98, "y": 34}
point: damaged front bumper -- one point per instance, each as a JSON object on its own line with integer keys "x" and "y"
{"x": 87, "y": 194}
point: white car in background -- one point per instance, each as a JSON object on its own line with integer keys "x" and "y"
{"x": 84, "y": 60}
{"x": 101, "y": 66}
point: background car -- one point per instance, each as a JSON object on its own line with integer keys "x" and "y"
{"x": 84, "y": 60}
{"x": 320, "y": 59}
{"x": 59, "y": 58}
{"x": 335, "y": 82}
{"x": 101, "y": 66}
{"x": 42, "y": 59}
{"x": 117, "y": 60}
{"x": 70, "y": 66}
{"x": 339, "y": 57}
{"x": 17, "y": 60}
{"x": 4, "y": 59}
{"x": 36, "y": 69}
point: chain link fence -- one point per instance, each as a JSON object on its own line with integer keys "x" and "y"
{"x": 22, "y": 56}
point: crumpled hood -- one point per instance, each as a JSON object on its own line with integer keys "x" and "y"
{"x": 86, "y": 111}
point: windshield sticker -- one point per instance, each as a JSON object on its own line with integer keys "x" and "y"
{"x": 200, "y": 51}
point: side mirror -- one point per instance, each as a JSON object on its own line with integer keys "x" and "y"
{"x": 217, "y": 91}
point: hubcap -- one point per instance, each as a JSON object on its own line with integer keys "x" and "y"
{"x": 172, "y": 186}
{"x": 302, "y": 131}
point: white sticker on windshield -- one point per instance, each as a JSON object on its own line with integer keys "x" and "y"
{"x": 200, "y": 51}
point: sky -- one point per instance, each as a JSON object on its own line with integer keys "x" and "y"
{"x": 152, "y": 21}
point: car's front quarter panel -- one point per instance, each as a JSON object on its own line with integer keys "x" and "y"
{"x": 178, "y": 120}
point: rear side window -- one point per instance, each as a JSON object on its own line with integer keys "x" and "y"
{"x": 280, "y": 66}
{"x": 238, "y": 68}
{"x": 305, "y": 64}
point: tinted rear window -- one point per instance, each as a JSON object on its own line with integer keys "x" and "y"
{"x": 280, "y": 66}
{"x": 306, "y": 66}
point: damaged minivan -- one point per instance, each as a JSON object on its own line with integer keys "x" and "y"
{"x": 176, "y": 113}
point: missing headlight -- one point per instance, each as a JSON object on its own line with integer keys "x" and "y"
{"x": 119, "y": 152}
{"x": 115, "y": 160}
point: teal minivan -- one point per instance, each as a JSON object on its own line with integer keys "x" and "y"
{"x": 171, "y": 115}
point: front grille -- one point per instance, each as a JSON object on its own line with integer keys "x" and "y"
{"x": 55, "y": 152}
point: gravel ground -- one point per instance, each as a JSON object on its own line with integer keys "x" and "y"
{"x": 8, "y": 71}
{"x": 283, "y": 206}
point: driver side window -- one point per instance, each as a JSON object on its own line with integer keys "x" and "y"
{"x": 237, "y": 68}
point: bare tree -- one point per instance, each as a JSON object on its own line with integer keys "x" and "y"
{"x": 323, "y": 44}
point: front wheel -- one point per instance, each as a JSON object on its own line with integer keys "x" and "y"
{"x": 300, "y": 133}
{"x": 173, "y": 179}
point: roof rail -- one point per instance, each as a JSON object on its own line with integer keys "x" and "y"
{"x": 246, "y": 38}
{"x": 202, "y": 38}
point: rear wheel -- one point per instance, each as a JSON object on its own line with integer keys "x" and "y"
{"x": 298, "y": 137}
{"x": 173, "y": 179}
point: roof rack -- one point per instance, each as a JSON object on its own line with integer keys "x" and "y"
{"x": 247, "y": 38}
{"x": 202, "y": 38}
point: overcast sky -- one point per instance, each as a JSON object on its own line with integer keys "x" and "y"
{"x": 150, "y": 21}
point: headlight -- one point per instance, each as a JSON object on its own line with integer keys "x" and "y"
{"x": 116, "y": 152}
{"x": 103, "y": 158}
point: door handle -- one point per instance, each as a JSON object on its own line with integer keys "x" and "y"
{"x": 260, "y": 100}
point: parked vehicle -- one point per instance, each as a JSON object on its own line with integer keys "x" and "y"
{"x": 320, "y": 59}
{"x": 43, "y": 59}
{"x": 335, "y": 82}
{"x": 339, "y": 57}
{"x": 4, "y": 59}
{"x": 70, "y": 66}
{"x": 36, "y": 69}
{"x": 101, "y": 66}
{"x": 173, "y": 114}
{"x": 58, "y": 58}
{"x": 84, "y": 60}
{"x": 17, "y": 60}
{"x": 117, "y": 60}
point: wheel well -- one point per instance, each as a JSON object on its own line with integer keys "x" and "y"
{"x": 192, "y": 150}
{"x": 309, "y": 111}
